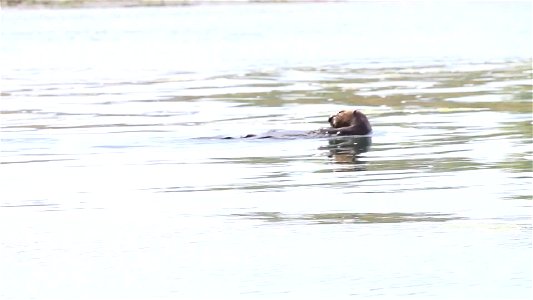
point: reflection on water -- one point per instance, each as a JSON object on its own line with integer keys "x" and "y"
{"x": 114, "y": 172}
{"x": 347, "y": 149}
{"x": 349, "y": 218}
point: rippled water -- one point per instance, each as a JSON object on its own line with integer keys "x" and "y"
{"x": 117, "y": 184}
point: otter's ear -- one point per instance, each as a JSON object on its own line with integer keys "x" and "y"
{"x": 354, "y": 117}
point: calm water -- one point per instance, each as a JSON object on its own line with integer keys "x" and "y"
{"x": 115, "y": 183}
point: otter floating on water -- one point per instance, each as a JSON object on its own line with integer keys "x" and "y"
{"x": 345, "y": 122}
{"x": 349, "y": 122}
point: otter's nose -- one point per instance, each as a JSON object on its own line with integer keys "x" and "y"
{"x": 330, "y": 119}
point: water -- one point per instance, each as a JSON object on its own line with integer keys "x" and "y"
{"x": 116, "y": 183}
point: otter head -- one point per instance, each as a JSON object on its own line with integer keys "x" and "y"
{"x": 343, "y": 118}
{"x": 356, "y": 120}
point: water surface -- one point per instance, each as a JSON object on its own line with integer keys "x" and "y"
{"x": 116, "y": 183}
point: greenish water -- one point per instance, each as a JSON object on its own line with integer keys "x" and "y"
{"x": 116, "y": 183}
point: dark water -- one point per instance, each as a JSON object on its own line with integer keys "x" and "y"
{"x": 116, "y": 184}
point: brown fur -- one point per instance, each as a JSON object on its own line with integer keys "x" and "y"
{"x": 349, "y": 122}
{"x": 345, "y": 122}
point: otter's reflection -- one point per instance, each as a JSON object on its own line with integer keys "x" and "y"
{"x": 347, "y": 149}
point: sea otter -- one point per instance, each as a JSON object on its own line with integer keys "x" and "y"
{"x": 345, "y": 122}
{"x": 348, "y": 122}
